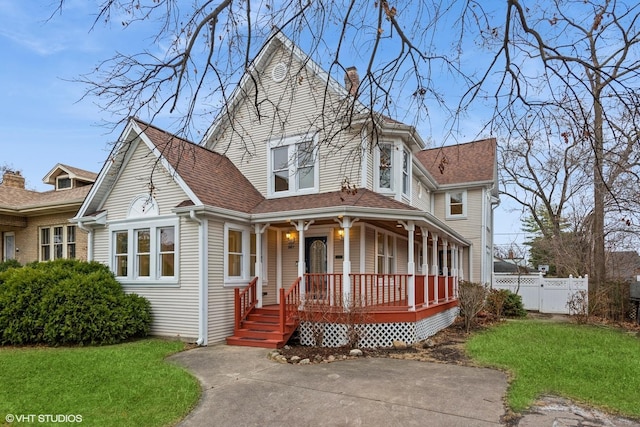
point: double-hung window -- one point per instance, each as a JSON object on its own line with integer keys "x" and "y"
{"x": 385, "y": 167}
{"x": 406, "y": 172}
{"x": 57, "y": 242}
{"x": 456, "y": 204}
{"x": 385, "y": 263}
{"x": 293, "y": 166}
{"x": 240, "y": 254}
{"x": 145, "y": 252}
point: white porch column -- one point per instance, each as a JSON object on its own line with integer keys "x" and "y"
{"x": 434, "y": 265}
{"x": 345, "y": 223}
{"x": 434, "y": 254}
{"x": 411, "y": 264}
{"x": 259, "y": 229}
{"x": 301, "y": 227}
{"x": 425, "y": 263}
{"x": 445, "y": 268}
{"x": 460, "y": 259}
{"x": 454, "y": 269}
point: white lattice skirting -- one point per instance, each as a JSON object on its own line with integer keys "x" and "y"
{"x": 381, "y": 334}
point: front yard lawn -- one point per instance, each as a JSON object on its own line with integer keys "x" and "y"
{"x": 595, "y": 365}
{"x": 126, "y": 384}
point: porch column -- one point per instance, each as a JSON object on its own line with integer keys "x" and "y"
{"x": 434, "y": 254}
{"x": 445, "y": 268}
{"x": 454, "y": 268}
{"x": 425, "y": 250}
{"x": 259, "y": 229}
{"x": 460, "y": 259}
{"x": 411, "y": 264}
{"x": 434, "y": 264}
{"x": 425, "y": 263}
{"x": 345, "y": 223}
{"x": 301, "y": 227}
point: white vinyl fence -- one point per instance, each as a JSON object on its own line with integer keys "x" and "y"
{"x": 541, "y": 294}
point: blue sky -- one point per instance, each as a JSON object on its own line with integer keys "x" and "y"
{"x": 43, "y": 119}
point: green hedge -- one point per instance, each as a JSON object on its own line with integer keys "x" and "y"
{"x": 68, "y": 302}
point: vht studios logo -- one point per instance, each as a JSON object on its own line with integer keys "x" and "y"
{"x": 43, "y": 418}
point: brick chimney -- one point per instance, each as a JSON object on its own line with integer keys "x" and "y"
{"x": 352, "y": 80}
{"x": 13, "y": 179}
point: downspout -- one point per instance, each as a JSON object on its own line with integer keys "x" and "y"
{"x": 89, "y": 231}
{"x": 203, "y": 294}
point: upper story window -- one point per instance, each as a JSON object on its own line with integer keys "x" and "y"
{"x": 456, "y": 204}
{"x": 63, "y": 182}
{"x": 293, "y": 166}
{"x": 406, "y": 172}
{"x": 57, "y": 242}
{"x": 385, "y": 167}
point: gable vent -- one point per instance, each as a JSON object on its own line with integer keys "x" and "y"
{"x": 279, "y": 72}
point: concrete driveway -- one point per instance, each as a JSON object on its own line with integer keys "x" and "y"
{"x": 241, "y": 387}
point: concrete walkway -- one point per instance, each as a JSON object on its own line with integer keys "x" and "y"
{"x": 241, "y": 387}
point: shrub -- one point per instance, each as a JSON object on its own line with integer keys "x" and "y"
{"x": 10, "y": 263}
{"x": 495, "y": 301}
{"x": 68, "y": 302}
{"x": 513, "y": 306}
{"x": 471, "y": 297}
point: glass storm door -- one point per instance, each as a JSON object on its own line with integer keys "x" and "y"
{"x": 9, "y": 246}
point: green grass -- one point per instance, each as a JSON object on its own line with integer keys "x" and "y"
{"x": 126, "y": 385}
{"x": 594, "y": 365}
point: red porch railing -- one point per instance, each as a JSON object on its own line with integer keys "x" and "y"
{"x": 245, "y": 300}
{"x": 380, "y": 290}
{"x": 289, "y": 305}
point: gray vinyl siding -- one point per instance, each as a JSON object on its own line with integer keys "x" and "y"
{"x": 370, "y": 251}
{"x": 174, "y": 307}
{"x": 134, "y": 181}
{"x": 470, "y": 227}
{"x": 295, "y": 104}
{"x": 419, "y": 199}
{"x": 220, "y": 309}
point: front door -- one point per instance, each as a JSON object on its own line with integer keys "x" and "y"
{"x": 315, "y": 253}
{"x": 9, "y": 246}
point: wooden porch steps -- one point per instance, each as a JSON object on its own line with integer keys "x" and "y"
{"x": 261, "y": 329}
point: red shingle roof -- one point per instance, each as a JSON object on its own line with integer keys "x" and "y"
{"x": 461, "y": 163}
{"x": 211, "y": 176}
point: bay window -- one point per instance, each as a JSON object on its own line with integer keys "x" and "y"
{"x": 149, "y": 248}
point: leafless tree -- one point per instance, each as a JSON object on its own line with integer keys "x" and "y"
{"x": 579, "y": 56}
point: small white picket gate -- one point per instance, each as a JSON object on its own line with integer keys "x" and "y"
{"x": 541, "y": 294}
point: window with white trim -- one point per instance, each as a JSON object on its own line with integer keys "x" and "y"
{"x": 240, "y": 254}
{"x": 456, "y": 204}
{"x": 57, "y": 242}
{"x": 385, "y": 248}
{"x": 385, "y": 167}
{"x": 144, "y": 252}
{"x": 293, "y": 166}
{"x": 406, "y": 172}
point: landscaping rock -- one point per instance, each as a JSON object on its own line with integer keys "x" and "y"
{"x": 399, "y": 345}
{"x": 305, "y": 362}
{"x": 295, "y": 359}
{"x": 331, "y": 358}
{"x": 355, "y": 352}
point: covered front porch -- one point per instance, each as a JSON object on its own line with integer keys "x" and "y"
{"x": 395, "y": 301}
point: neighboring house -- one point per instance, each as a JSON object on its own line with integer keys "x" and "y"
{"x": 623, "y": 265}
{"x": 233, "y": 236}
{"x": 35, "y": 225}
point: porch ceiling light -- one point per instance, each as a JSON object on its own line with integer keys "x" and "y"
{"x": 341, "y": 233}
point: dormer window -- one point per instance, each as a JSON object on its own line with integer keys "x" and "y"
{"x": 63, "y": 182}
